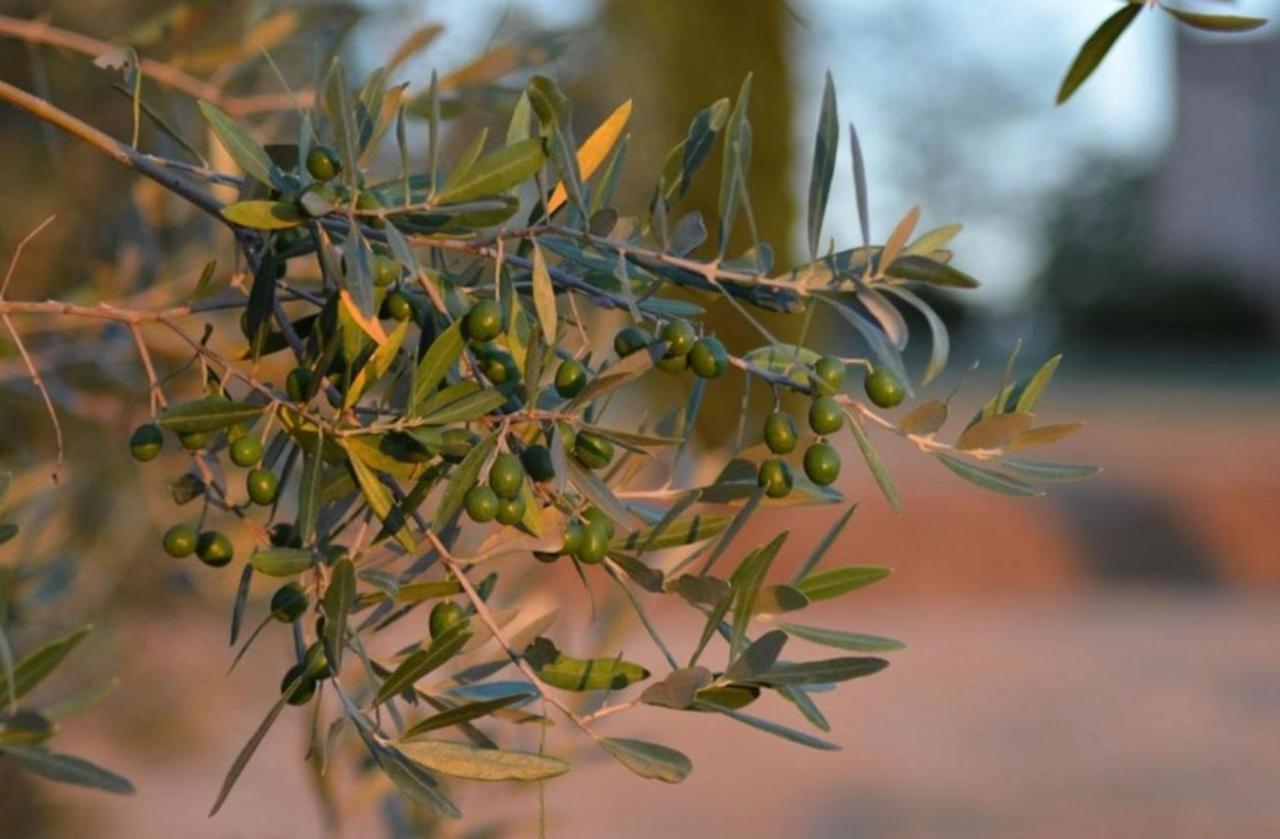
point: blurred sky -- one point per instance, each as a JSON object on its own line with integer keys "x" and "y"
{"x": 976, "y": 78}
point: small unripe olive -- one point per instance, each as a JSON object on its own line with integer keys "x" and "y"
{"x": 398, "y": 306}
{"x": 829, "y": 375}
{"x": 592, "y": 450}
{"x": 289, "y": 602}
{"x": 306, "y": 686}
{"x": 595, "y": 544}
{"x": 680, "y": 336}
{"x": 483, "y": 322}
{"x": 822, "y": 464}
{"x": 444, "y": 616}
{"x": 481, "y": 504}
{"x": 262, "y": 485}
{"x": 214, "y": 548}
{"x": 780, "y": 432}
{"x": 884, "y": 389}
{"x": 537, "y": 462}
{"x": 506, "y": 475}
{"x": 511, "y": 510}
{"x": 246, "y": 450}
{"x": 195, "y": 440}
{"x": 629, "y": 340}
{"x": 146, "y": 442}
{"x": 776, "y": 478}
{"x": 323, "y": 163}
{"x": 825, "y": 416}
{"x": 369, "y": 201}
{"x": 571, "y": 378}
{"x": 180, "y": 540}
{"x": 708, "y": 358}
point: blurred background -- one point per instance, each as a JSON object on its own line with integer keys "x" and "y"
{"x": 1098, "y": 662}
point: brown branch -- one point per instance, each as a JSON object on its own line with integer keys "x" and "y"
{"x": 36, "y": 378}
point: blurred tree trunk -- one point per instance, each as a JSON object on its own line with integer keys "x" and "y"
{"x": 674, "y": 57}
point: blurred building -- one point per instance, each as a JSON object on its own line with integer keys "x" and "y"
{"x": 1216, "y": 196}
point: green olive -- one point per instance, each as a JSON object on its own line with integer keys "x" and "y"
{"x": 829, "y": 375}
{"x": 444, "y": 616}
{"x": 289, "y": 602}
{"x": 298, "y": 384}
{"x": 306, "y": 686}
{"x": 776, "y": 478}
{"x": 537, "y": 462}
{"x": 680, "y": 336}
{"x": 246, "y": 450}
{"x": 398, "y": 306}
{"x": 708, "y": 358}
{"x": 214, "y": 548}
{"x": 180, "y": 540}
{"x": 511, "y": 510}
{"x": 262, "y": 485}
{"x": 592, "y": 450}
{"x": 630, "y": 340}
{"x": 825, "y": 416}
{"x": 483, "y": 322}
{"x": 506, "y": 475}
{"x": 323, "y": 163}
{"x": 146, "y": 442}
{"x": 884, "y": 389}
{"x": 369, "y": 201}
{"x": 780, "y": 432}
{"x": 481, "y": 503}
{"x": 195, "y": 440}
{"x": 822, "y": 463}
{"x": 571, "y": 378}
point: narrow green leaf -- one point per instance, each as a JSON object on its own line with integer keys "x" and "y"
{"x": 244, "y": 150}
{"x": 580, "y": 674}
{"x": 421, "y": 662}
{"x": 1045, "y": 471}
{"x": 339, "y": 598}
{"x": 378, "y": 497}
{"x": 746, "y": 580}
{"x": 309, "y": 492}
{"x": 1216, "y": 23}
{"x": 213, "y": 413}
{"x": 685, "y": 530}
{"x": 1096, "y": 48}
{"x": 67, "y": 769}
{"x": 463, "y": 713}
{"x": 263, "y": 215}
{"x": 853, "y": 641}
{"x": 821, "y": 672}
{"x": 255, "y": 739}
{"x": 648, "y": 760}
{"x": 926, "y": 269}
{"x": 554, "y": 114}
{"x": 544, "y": 297}
{"x": 443, "y": 353}
{"x": 460, "y": 760}
{"x": 837, "y": 581}
{"x": 32, "y": 668}
{"x": 770, "y": 727}
{"x": 495, "y": 173}
{"x": 860, "y": 186}
{"x": 281, "y": 562}
{"x": 342, "y": 116}
{"x": 940, "y": 349}
{"x": 1036, "y": 386}
{"x": 874, "y": 463}
{"x": 825, "y": 142}
{"x": 758, "y": 657}
{"x": 737, "y": 157}
{"x": 987, "y": 478}
{"x": 820, "y": 550}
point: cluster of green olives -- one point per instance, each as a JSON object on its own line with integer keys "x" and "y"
{"x": 503, "y": 498}
{"x": 705, "y": 356}
{"x": 586, "y": 539}
{"x": 821, "y": 461}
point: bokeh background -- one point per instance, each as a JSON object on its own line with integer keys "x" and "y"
{"x": 1102, "y": 661}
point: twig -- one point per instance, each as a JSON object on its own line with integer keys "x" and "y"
{"x": 36, "y": 378}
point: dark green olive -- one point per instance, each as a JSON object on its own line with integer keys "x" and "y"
{"x": 298, "y": 384}
{"x": 537, "y": 462}
{"x": 195, "y": 440}
{"x": 571, "y": 378}
{"x": 285, "y": 535}
{"x": 369, "y": 201}
{"x": 385, "y": 270}
{"x": 316, "y": 661}
{"x": 573, "y": 533}
{"x": 289, "y": 602}
{"x": 146, "y": 442}
{"x": 630, "y": 340}
{"x": 595, "y": 544}
{"x": 672, "y": 363}
{"x": 214, "y": 548}
{"x": 398, "y": 306}
{"x": 306, "y": 686}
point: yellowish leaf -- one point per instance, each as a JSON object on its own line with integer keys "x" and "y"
{"x": 593, "y": 152}
{"x": 371, "y": 326}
